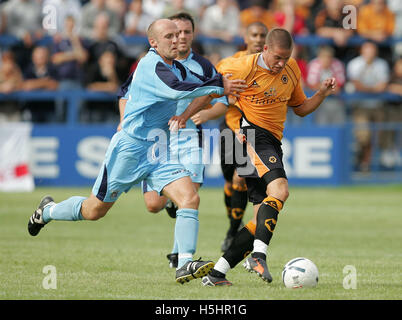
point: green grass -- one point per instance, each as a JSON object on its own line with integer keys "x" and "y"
{"x": 123, "y": 256}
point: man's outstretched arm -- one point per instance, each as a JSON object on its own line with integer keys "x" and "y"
{"x": 311, "y": 104}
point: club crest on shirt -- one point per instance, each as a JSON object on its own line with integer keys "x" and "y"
{"x": 284, "y": 79}
{"x": 255, "y": 84}
{"x": 270, "y": 93}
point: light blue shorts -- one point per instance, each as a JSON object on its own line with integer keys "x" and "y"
{"x": 185, "y": 149}
{"x": 128, "y": 161}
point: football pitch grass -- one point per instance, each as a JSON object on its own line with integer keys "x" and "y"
{"x": 123, "y": 255}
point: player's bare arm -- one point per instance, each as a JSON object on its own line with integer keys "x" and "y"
{"x": 179, "y": 122}
{"x": 309, "y": 105}
{"x": 215, "y": 112}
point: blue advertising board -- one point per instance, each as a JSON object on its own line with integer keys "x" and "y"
{"x": 72, "y": 156}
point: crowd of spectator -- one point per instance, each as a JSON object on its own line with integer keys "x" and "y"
{"x": 87, "y": 50}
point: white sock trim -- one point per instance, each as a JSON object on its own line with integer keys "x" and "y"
{"x": 222, "y": 265}
{"x": 259, "y": 246}
{"x": 185, "y": 256}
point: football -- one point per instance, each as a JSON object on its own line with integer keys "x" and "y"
{"x": 300, "y": 273}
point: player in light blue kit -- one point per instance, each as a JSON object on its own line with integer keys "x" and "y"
{"x": 137, "y": 152}
{"x": 187, "y": 144}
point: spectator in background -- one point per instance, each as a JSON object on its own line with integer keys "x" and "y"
{"x": 221, "y": 21}
{"x": 257, "y": 11}
{"x": 331, "y": 111}
{"x": 370, "y": 74}
{"x": 102, "y": 41}
{"x": 175, "y": 6}
{"x": 68, "y": 55}
{"x": 10, "y": 81}
{"x": 375, "y": 21}
{"x": 119, "y": 7}
{"x": 10, "y": 74}
{"x": 154, "y": 8}
{"x": 329, "y": 23}
{"x": 198, "y": 7}
{"x": 24, "y": 21}
{"x": 136, "y": 21}
{"x": 287, "y": 17}
{"x": 102, "y": 77}
{"x": 307, "y": 10}
{"x": 63, "y": 9}
{"x": 367, "y": 72}
{"x": 40, "y": 75}
{"x": 91, "y": 11}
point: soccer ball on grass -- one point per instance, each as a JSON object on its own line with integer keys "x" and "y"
{"x": 300, "y": 273}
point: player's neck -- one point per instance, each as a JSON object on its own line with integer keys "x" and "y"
{"x": 183, "y": 56}
{"x": 167, "y": 61}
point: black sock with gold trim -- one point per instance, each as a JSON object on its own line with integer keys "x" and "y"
{"x": 238, "y": 204}
{"x": 267, "y": 218}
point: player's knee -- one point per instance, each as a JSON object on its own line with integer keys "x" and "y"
{"x": 94, "y": 209}
{"x": 95, "y": 214}
{"x": 283, "y": 194}
{"x": 278, "y": 190}
{"x": 191, "y": 200}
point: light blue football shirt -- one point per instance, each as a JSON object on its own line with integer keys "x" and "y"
{"x": 154, "y": 92}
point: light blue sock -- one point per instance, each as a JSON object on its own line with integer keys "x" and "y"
{"x": 186, "y": 234}
{"x": 175, "y": 246}
{"x": 67, "y": 210}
